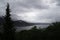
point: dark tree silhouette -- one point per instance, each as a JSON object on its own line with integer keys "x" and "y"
{"x": 52, "y": 32}
{"x": 8, "y": 26}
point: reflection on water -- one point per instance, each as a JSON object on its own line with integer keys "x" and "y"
{"x": 29, "y": 27}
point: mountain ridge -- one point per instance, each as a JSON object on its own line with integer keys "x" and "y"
{"x": 21, "y": 23}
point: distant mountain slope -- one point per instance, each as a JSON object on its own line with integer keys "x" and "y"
{"x": 21, "y": 23}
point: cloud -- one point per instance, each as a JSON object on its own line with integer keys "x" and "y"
{"x": 58, "y": 2}
{"x": 33, "y": 10}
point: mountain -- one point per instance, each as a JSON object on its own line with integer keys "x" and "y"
{"x": 21, "y": 23}
{"x": 18, "y": 23}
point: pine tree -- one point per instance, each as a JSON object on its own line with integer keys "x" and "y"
{"x": 8, "y": 26}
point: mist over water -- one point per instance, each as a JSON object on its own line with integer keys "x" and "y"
{"x": 29, "y": 27}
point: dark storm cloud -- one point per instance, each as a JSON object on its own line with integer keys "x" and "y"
{"x": 58, "y": 2}
{"x": 20, "y": 6}
{"x": 31, "y": 4}
{"x": 34, "y": 4}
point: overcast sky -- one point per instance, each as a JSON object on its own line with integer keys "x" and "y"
{"x": 33, "y": 10}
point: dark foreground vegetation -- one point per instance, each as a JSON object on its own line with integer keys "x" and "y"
{"x": 52, "y": 32}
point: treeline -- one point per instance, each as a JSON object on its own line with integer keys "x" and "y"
{"x": 52, "y": 32}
